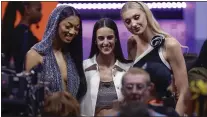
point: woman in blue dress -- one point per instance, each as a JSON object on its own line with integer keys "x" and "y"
{"x": 59, "y": 54}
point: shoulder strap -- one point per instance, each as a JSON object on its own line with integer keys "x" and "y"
{"x": 143, "y": 54}
{"x": 156, "y": 42}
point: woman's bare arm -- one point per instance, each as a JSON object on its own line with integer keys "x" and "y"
{"x": 175, "y": 57}
{"x": 32, "y": 59}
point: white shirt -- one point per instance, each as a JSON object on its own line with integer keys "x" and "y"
{"x": 90, "y": 67}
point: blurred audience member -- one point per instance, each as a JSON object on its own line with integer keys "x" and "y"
{"x": 137, "y": 87}
{"x": 17, "y": 41}
{"x": 190, "y": 59}
{"x": 61, "y": 104}
{"x": 134, "y": 109}
{"x": 140, "y": 86}
{"x": 198, "y": 84}
{"x": 199, "y": 70}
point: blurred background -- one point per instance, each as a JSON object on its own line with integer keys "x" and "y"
{"x": 186, "y": 21}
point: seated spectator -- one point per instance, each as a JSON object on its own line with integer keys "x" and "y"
{"x": 61, "y": 104}
{"x": 137, "y": 87}
{"x": 190, "y": 59}
{"x": 134, "y": 109}
{"x": 198, "y": 84}
{"x": 199, "y": 70}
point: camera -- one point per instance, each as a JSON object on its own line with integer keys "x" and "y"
{"x": 22, "y": 95}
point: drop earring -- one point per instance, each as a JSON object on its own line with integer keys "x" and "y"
{"x": 37, "y": 26}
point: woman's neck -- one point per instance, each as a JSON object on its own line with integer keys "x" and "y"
{"x": 105, "y": 60}
{"x": 58, "y": 45}
{"x": 146, "y": 36}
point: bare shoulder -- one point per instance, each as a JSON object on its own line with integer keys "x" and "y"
{"x": 171, "y": 43}
{"x": 34, "y": 55}
{"x": 33, "y": 58}
{"x": 173, "y": 49}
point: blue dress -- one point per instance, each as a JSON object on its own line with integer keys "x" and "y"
{"x": 50, "y": 69}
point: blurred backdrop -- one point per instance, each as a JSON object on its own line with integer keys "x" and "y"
{"x": 186, "y": 21}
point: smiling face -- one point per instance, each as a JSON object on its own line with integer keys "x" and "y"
{"x": 69, "y": 28}
{"x": 105, "y": 39}
{"x": 135, "y": 20}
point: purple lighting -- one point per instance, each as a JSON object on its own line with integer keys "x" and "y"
{"x": 153, "y": 5}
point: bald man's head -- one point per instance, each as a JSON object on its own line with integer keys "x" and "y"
{"x": 136, "y": 72}
{"x": 136, "y": 85}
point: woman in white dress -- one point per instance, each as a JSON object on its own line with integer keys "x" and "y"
{"x": 103, "y": 69}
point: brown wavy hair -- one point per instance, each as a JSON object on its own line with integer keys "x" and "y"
{"x": 61, "y": 104}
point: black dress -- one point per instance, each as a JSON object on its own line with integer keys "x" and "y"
{"x": 154, "y": 63}
{"x": 23, "y": 39}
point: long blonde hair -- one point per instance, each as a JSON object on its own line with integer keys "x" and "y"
{"x": 152, "y": 22}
